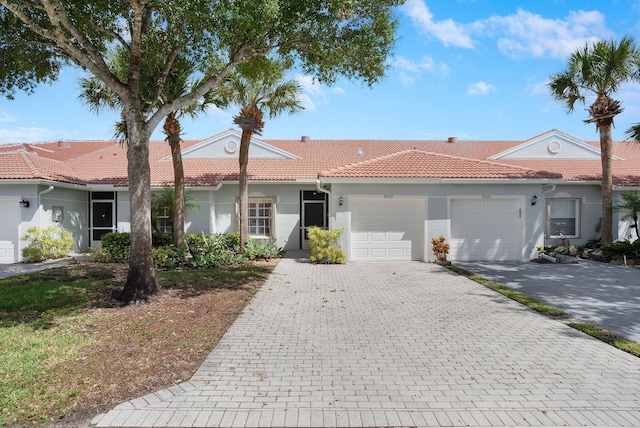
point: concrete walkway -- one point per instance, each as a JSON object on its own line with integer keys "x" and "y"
{"x": 604, "y": 294}
{"x": 12, "y": 269}
{"x": 394, "y": 344}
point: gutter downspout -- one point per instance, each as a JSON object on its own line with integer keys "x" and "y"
{"x": 40, "y": 194}
{"x": 325, "y": 191}
{"x": 320, "y": 189}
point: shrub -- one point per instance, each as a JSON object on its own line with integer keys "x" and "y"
{"x": 166, "y": 257}
{"x": 325, "y": 245}
{"x": 261, "y": 249}
{"x": 161, "y": 239}
{"x": 212, "y": 250}
{"x": 200, "y": 251}
{"x": 116, "y": 248}
{"x": 440, "y": 248}
{"x": 618, "y": 249}
{"x": 52, "y": 242}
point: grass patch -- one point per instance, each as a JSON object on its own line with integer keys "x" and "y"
{"x": 593, "y": 330}
{"x": 63, "y": 336}
{"x": 28, "y": 356}
{"x": 606, "y": 336}
{"x": 39, "y": 299}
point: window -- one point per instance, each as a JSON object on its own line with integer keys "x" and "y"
{"x": 163, "y": 220}
{"x": 563, "y": 218}
{"x": 260, "y": 217}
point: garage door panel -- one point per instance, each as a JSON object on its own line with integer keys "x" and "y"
{"x": 7, "y": 252}
{"x": 377, "y": 236}
{"x": 359, "y": 236}
{"x": 10, "y": 215}
{"x": 397, "y": 253}
{"x": 485, "y": 229}
{"x": 387, "y": 229}
{"x": 395, "y": 236}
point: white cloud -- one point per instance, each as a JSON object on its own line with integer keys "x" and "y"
{"x": 523, "y": 34}
{"x": 313, "y": 92}
{"x": 27, "y": 135}
{"x": 338, "y": 90}
{"x": 6, "y": 117}
{"x": 480, "y": 88}
{"x": 447, "y": 31}
{"x": 217, "y": 113}
{"x": 409, "y": 69}
{"x": 527, "y": 34}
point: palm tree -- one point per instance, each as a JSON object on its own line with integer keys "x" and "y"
{"x": 599, "y": 69}
{"x": 631, "y": 204}
{"x": 258, "y": 87}
{"x": 97, "y": 96}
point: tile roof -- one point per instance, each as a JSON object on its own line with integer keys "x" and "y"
{"x": 420, "y": 164}
{"x": 105, "y": 162}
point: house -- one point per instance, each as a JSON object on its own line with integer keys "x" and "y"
{"x": 492, "y": 200}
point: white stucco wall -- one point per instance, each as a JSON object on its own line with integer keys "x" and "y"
{"x": 73, "y": 202}
{"x": 75, "y": 208}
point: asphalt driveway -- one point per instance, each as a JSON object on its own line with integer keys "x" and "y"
{"x": 604, "y": 294}
{"x": 394, "y": 344}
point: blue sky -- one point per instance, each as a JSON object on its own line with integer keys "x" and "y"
{"x": 471, "y": 69}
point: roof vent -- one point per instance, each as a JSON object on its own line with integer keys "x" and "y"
{"x": 452, "y": 140}
{"x": 360, "y": 152}
{"x": 305, "y": 139}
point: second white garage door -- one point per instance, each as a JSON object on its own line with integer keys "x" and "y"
{"x": 486, "y": 229}
{"x": 387, "y": 228}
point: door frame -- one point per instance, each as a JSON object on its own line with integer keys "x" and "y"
{"x": 315, "y": 199}
{"x": 102, "y": 198}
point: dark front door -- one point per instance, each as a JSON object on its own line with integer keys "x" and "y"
{"x": 313, "y": 213}
{"x": 102, "y": 216}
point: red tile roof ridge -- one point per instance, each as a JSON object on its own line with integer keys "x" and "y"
{"x": 438, "y": 155}
{"x": 32, "y": 166}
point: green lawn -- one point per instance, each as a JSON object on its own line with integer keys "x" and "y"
{"x": 40, "y": 326}
{"x": 45, "y": 325}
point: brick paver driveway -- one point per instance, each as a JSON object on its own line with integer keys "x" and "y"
{"x": 402, "y": 344}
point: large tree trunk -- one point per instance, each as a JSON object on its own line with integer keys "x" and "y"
{"x": 173, "y": 130}
{"x": 243, "y": 195}
{"x": 606, "y": 149}
{"x": 178, "y": 209}
{"x": 141, "y": 280}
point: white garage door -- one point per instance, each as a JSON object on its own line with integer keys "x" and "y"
{"x": 486, "y": 229}
{"x": 10, "y": 215}
{"x": 387, "y": 229}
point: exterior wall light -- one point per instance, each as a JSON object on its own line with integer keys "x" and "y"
{"x": 534, "y": 200}
{"x": 341, "y": 201}
{"x": 24, "y": 203}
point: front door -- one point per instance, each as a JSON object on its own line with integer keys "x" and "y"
{"x": 313, "y": 212}
{"x": 102, "y": 216}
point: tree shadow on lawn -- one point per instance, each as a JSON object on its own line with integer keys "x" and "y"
{"x": 39, "y": 298}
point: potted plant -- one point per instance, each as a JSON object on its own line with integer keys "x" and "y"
{"x": 440, "y": 249}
